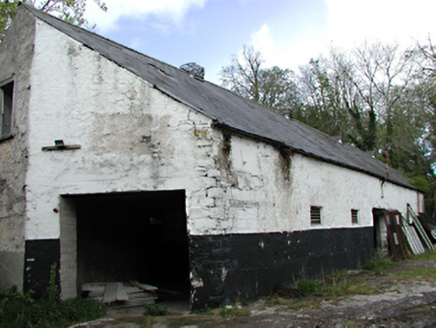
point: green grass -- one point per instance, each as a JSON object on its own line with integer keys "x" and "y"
{"x": 414, "y": 272}
{"x": 361, "y": 282}
{"x": 428, "y": 255}
{"x": 153, "y": 310}
{"x": 21, "y": 310}
{"x": 345, "y": 287}
{"x": 294, "y": 304}
{"x": 308, "y": 287}
{"x": 379, "y": 263}
{"x": 235, "y": 311}
{"x": 204, "y": 311}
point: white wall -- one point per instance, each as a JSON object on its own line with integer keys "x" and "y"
{"x": 82, "y": 98}
{"x": 254, "y": 195}
{"x": 339, "y": 190}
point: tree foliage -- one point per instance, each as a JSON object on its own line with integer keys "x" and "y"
{"x": 377, "y": 97}
{"x": 71, "y": 11}
{"x": 273, "y": 87}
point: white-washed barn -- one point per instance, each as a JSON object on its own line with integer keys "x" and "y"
{"x": 119, "y": 167}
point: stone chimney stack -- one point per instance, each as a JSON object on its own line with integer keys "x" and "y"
{"x": 194, "y": 70}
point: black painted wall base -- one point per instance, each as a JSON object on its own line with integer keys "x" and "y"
{"x": 39, "y": 257}
{"x": 242, "y": 267}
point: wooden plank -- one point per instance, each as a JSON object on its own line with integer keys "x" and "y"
{"x": 422, "y": 233}
{"x": 146, "y": 287}
{"x": 110, "y": 293}
{"x": 131, "y": 290}
{"x": 413, "y": 239}
{"x": 142, "y": 295}
{"x": 93, "y": 287}
{"x": 419, "y": 227}
{"x": 127, "y": 305}
{"x": 95, "y": 294}
{"x": 98, "y": 299}
{"x": 397, "y": 240}
{"x": 121, "y": 293}
{"x": 134, "y": 303}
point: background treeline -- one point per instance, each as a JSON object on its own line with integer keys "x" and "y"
{"x": 380, "y": 98}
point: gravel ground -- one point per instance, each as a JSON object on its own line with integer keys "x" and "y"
{"x": 400, "y": 301}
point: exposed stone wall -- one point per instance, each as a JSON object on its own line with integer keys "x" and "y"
{"x": 252, "y": 188}
{"x": 16, "y": 51}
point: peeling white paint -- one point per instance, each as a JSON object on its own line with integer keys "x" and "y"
{"x": 224, "y": 273}
{"x": 108, "y": 111}
{"x": 196, "y": 282}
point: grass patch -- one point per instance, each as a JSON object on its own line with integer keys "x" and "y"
{"x": 294, "y": 304}
{"x": 346, "y": 287}
{"x": 235, "y": 311}
{"x": 308, "y": 287}
{"x": 204, "y": 311}
{"x": 428, "y": 255}
{"x": 21, "y": 310}
{"x": 424, "y": 272}
{"x": 311, "y": 293}
{"x": 379, "y": 264}
{"x": 152, "y": 310}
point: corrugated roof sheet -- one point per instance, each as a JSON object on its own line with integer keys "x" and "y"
{"x": 227, "y": 109}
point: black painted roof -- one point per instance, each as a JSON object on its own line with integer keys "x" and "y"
{"x": 227, "y": 109}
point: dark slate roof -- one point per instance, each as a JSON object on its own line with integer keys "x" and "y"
{"x": 228, "y": 110}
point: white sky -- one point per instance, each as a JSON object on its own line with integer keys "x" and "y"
{"x": 287, "y": 32}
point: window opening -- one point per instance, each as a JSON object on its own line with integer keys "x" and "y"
{"x": 6, "y": 92}
{"x": 315, "y": 215}
{"x": 354, "y": 216}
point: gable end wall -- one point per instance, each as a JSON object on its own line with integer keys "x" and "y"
{"x": 16, "y": 51}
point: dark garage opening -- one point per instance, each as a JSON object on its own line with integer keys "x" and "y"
{"x": 133, "y": 237}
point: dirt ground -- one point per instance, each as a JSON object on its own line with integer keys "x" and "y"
{"x": 404, "y": 296}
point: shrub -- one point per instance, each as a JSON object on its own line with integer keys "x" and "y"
{"x": 379, "y": 263}
{"x": 21, "y": 310}
{"x": 153, "y": 310}
{"x": 234, "y": 311}
{"x": 308, "y": 287}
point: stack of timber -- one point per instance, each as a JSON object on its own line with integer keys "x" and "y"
{"x": 121, "y": 294}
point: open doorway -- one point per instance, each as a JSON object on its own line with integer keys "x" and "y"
{"x": 138, "y": 236}
{"x": 380, "y": 232}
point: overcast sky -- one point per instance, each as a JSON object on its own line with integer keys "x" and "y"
{"x": 287, "y": 32}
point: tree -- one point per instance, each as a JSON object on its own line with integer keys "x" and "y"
{"x": 242, "y": 75}
{"x": 424, "y": 100}
{"x": 7, "y": 11}
{"x": 353, "y": 93}
{"x": 321, "y": 101}
{"x": 377, "y": 97}
{"x": 273, "y": 87}
{"x": 71, "y": 11}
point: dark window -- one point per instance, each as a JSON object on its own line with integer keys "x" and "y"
{"x": 6, "y": 108}
{"x": 354, "y": 216}
{"x": 315, "y": 215}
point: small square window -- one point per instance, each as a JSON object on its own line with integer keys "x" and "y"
{"x": 6, "y": 92}
{"x": 315, "y": 215}
{"x": 354, "y": 216}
